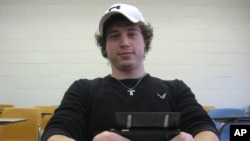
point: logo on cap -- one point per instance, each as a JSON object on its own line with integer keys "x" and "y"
{"x": 115, "y": 7}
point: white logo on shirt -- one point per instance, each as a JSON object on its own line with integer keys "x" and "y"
{"x": 162, "y": 96}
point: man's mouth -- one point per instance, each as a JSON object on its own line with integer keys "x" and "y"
{"x": 126, "y": 54}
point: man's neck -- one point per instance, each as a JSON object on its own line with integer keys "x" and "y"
{"x": 128, "y": 74}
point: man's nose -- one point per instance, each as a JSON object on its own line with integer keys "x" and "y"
{"x": 124, "y": 41}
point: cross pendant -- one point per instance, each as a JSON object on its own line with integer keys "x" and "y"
{"x": 131, "y": 92}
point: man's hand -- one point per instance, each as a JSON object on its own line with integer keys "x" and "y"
{"x": 202, "y": 136}
{"x": 109, "y": 136}
{"x": 183, "y": 137}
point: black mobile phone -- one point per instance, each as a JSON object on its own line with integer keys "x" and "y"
{"x": 147, "y": 126}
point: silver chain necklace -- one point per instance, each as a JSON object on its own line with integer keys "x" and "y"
{"x": 132, "y": 89}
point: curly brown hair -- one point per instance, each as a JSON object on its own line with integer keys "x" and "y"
{"x": 146, "y": 30}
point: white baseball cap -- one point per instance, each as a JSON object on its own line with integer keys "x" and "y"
{"x": 130, "y": 12}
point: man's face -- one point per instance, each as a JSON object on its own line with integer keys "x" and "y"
{"x": 125, "y": 46}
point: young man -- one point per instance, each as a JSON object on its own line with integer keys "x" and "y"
{"x": 87, "y": 109}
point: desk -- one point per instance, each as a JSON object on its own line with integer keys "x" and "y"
{"x": 4, "y": 121}
{"x": 228, "y": 120}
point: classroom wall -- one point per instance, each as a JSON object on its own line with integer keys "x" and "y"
{"x": 47, "y": 44}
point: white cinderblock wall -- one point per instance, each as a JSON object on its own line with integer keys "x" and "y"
{"x": 47, "y": 44}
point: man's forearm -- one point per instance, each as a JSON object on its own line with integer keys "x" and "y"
{"x": 60, "y": 138}
{"x": 206, "y": 136}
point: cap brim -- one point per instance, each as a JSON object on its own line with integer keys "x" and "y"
{"x": 107, "y": 16}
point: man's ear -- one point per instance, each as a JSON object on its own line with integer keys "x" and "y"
{"x": 104, "y": 52}
{"x": 145, "y": 44}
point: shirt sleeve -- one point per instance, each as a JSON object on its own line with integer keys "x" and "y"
{"x": 194, "y": 118}
{"x": 70, "y": 117}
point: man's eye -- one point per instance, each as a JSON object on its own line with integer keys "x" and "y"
{"x": 132, "y": 34}
{"x": 113, "y": 36}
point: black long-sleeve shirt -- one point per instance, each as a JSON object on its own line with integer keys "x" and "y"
{"x": 88, "y": 106}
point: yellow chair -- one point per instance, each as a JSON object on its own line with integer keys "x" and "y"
{"x": 28, "y": 130}
{"x": 208, "y": 107}
{"x": 47, "y": 112}
{"x": 2, "y": 106}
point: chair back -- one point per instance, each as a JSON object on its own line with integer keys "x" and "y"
{"x": 27, "y": 130}
{"x": 207, "y": 107}
{"x": 225, "y": 112}
{"x": 47, "y": 112}
{"x": 47, "y": 108}
{"x": 2, "y": 106}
